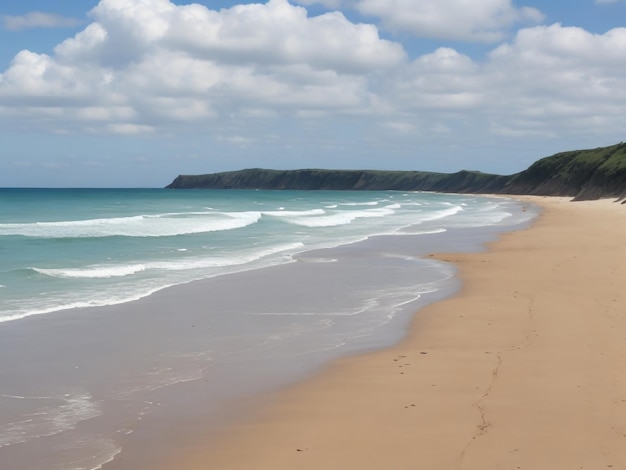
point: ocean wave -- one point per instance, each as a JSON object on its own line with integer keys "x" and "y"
{"x": 485, "y": 215}
{"x": 158, "y": 225}
{"x": 221, "y": 262}
{"x": 29, "y": 311}
{"x": 283, "y": 213}
{"x": 341, "y": 218}
{"x": 441, "y": 214}
{"x": 354, "y": 204}
{"x": 101, "y": 452}
{"x": 49, "y": 416}
{"x": 93, "y": 272}
{"x": 197, "y": 269}
{"x": 115, "y": 270}
{"x": 407, "y": 230}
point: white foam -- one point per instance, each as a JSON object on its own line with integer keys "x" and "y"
{"x": 284, "y": 213}
{"x": 325, "y": 221}
{"x": 341, "y": 218}
{"x": 441, "y": 214}
{"x": 407, "y": 231}
{"x": 85, "y": 453}
{"x": 371, "y": 203}
{"x": 93, "y": 272}
{"x": 107, "y": 451}
{"x": 49, "y": 419}
{"x": 105, "y": 298}
{"x": 69, "y": 305}
{"x": 109, "y": 271}
{"x": 220, "y": 262}
{"x": 159, "y": 225}
{"x": 307, "y": 259}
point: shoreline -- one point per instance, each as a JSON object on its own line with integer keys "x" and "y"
{"x": 121, "y": 386}
{"x": 520, "y": 369}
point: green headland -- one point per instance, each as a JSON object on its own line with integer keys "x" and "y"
{"x": 581, "y": 174}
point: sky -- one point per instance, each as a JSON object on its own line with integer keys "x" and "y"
{"x": 132, "y": 93}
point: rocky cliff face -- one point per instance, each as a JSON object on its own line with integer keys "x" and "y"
{"x": 582, "y": 174}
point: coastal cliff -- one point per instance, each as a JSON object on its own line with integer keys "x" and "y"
{"x": 581, "y": 174}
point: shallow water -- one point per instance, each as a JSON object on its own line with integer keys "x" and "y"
{"x": 332, "y": 274}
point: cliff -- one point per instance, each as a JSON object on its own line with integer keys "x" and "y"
{"x": 582, "y": 174}
{"x": 257, "y": 178}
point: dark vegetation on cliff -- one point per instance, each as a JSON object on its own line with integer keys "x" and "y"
{"x": 581, "y": 174}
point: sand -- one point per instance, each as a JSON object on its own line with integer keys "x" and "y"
{"x": 524, "y": 369}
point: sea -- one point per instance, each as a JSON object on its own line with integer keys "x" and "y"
{"x": 115, "y": 303}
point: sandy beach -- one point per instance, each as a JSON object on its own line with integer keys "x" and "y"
{"x": 523, "y": 369}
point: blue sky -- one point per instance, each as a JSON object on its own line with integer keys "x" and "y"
{"x": 131, "y": 93}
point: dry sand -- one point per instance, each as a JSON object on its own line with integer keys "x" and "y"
{"x": 524, "y": 369}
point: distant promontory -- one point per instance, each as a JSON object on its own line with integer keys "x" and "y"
{"x": 581, "y": 174}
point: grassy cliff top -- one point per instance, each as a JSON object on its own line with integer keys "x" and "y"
{"x": 582, "y": 174}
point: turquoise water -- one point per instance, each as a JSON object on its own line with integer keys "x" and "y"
{"x": 290, "y": 281}
{"x": 68, "y": 248}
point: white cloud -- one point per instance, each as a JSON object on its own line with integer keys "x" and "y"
{"x": 466, "y": 20}
{"x": 37, "y": 19}
{"x": 39, "y": 79}
{"x": 547, "y": 81}
{"x": 327, "y": 3}
{"x": 443, "y": 81}
{"x": 563, "y": 77}
{"x": 240, "y": 71}
{"x": 130, "y": 129}
{"x": 279, "y": 33}
{"x": 168, "y": 63}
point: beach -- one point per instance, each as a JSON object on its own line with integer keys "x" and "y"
{"x": 522, "y": 369}
{"x": 137, "y": 323}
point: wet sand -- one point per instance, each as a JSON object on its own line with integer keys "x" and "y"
{"x": 523, "y": 369}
